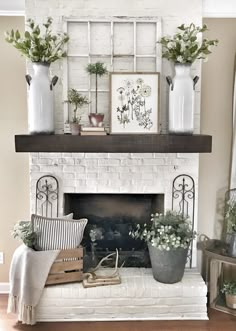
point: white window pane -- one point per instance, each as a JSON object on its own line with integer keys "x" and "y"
{"x": 123, "y": 38}
{"x": 100, "y": 38}
{"x": 78, "y": 33}
{"x": 146, "y": 46}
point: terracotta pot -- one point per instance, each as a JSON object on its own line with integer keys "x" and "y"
{"x": 230, "y": 301}
{"x": 96, "y": 119}
{"x": 75, "y": 129}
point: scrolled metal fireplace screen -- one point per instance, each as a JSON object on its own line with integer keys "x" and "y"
{"x": 47, "y": 192}
{"x": 183, "y": 201}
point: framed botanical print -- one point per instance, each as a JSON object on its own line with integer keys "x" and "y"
{"x": 135, "y": 102}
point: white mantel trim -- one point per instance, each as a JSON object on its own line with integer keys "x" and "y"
{"x": 12, "y": 13}
{"x": 219, "y": 14}
{"x": 219, "y": 8}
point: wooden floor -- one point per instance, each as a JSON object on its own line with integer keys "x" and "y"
{"x": 218, "y": 322}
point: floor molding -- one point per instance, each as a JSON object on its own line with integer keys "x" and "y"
{"x": 4, "y": 288}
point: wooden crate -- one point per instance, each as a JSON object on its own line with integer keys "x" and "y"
{"x": 67, "y": 268}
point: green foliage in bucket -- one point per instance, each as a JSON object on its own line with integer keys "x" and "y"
{"x": 166, "y": 231}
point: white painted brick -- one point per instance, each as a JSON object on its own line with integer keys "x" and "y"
{"x": 109, "y": 176}
{"x": 119, "y": 155}
{"x": 87, "y": 162}
{"x": 78, "y": 155}
{"x": 157, "y": 161}
{"x": 96, "y": 155}
{"x": 34, "y": 168}
{"x": 131, "y": 162}
{"x": 50, "y": 155}
{"x": 66, "y": 160}
{"x": 141, "y": 169}
{"x": 142, "y": 155}
{"x": 149, "y": 176}
{"x": 51, "y": 168}
{"x": 68, "y": 175}
{"x": 122, "y": 169}
{"x": 69, "y": 189}
{"x": 109, "y": 162}
{"x": 69, "y": 168}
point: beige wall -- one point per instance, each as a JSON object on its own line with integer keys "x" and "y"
{"x": 216, "y": 119}
{"x": 14, "y": 167}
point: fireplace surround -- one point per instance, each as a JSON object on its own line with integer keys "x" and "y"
{"x": 104, "y": 172}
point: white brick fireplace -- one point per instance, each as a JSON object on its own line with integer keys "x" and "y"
{"x": 113, "y": 172}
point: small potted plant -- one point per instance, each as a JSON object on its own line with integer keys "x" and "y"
{"x": 168, "y": 237}
{"x": 78, "y": 100}
{"x": 97, "y": 69}
{"x": 229, "y": 288}
{"x": 42, "y": 47}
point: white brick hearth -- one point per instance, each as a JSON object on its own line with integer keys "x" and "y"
{"x": 138, "y": 297}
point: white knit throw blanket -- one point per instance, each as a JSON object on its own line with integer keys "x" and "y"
{"x": 28, "y": 274}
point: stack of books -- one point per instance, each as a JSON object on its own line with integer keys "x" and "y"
{"x": 92, "y": 131}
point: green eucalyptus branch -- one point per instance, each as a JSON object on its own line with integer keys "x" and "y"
{"x": 36, "y": 46}
{"x": 184, "y": 47}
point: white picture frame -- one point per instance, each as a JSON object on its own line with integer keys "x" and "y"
{"x": 134, "y": 102}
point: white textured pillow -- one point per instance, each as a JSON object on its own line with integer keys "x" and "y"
{"x": 57, "y": 233}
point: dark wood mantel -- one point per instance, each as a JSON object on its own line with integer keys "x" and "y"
{"x": 154, "y": 143}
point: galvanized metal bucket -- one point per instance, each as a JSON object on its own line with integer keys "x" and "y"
{"x": 168, "y": 266}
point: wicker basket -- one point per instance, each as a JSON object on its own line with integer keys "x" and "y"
{"x": 67, "y": 268}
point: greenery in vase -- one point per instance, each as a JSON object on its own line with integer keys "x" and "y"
{"x": 78, "y": 100}
{"x": 38, "y": 46}
{"x": 230, "y": 216}
{"x": 166, "y": 232}
{"x": 184, "y": 47}
{"x": 229, "y": 288}
{"x": 23, "y": 230}
{"x": 97, "y": 69}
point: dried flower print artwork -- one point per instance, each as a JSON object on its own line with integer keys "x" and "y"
{"x": 134, "y": 103}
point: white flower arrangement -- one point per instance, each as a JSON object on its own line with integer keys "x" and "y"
{"x": 185, "y": 47}
{"x": 166, "y": 232}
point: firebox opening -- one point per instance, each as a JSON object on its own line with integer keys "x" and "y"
{"x": 110, "y": 219}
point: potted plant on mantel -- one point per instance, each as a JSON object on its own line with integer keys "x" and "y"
{"x": 229, "y": 288}
{"x": 97, "y": 69}
{"x": 41, "y": 49}
{"x": 78, "y": 100}
{"x": 183, "y": 49}
{"x": 168, "y": 237}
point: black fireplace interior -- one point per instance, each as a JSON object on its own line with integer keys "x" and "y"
{"x": 110, "y": 219}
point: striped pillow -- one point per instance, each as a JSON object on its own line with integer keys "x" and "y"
{"x": 57, "y": 233}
